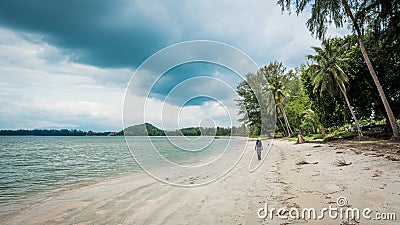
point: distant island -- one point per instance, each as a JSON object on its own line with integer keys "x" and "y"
{"x": 145, "y": 129}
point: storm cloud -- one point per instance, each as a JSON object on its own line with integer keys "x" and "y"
{"x": 74, "y": 59}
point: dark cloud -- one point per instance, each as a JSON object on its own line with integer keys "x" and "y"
{"x": 41, "y": 41}
{"x": 102, "y": 33}
{"x": 123, "y": 33}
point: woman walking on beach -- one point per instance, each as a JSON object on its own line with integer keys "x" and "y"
{"x": 258, "y": 148}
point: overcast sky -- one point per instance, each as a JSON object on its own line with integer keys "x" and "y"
{"x": 66, "y": 64}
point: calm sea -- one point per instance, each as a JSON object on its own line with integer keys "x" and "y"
{"x": 36, "y": 166}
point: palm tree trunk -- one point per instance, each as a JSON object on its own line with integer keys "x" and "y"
{"x": 283, "y": 127}
{"x": 388, "y": 109}
{"x": 284, "y": 110}
{"x": 352, "y": 112}
{"x": 290, "y": 131}
{"x": 276, "y": 116}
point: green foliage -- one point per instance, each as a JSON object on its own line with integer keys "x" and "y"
{"x": 323, "y": 13}
{"x": 326, "y": 71}
{"x": 382, "y": 19}
{"x": 309, "y": 111}
{"x": 191, "y": 131}
{"x": 341, "y": 134}
{"x": 368, "y": 104}
{"x": 287, "y": 90}
{"x": 249, "y": 107}
{"x": 268, "y": 85}
{"x": 315, "y": 136}
{"x": 331, "y": 111}
{"x": 386, "y": 63}
{"x": 297, "y": 103}
{"x": 240, "y": 131}
{"x": 377, "y": 25}
{"x": 276, "y": 78}
{"x": 327, "y": 75}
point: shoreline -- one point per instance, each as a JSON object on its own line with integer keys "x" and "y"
{"x": 20, "y": 201}
{"x": 38, "y": 196}
{"x": 369, "y": 181}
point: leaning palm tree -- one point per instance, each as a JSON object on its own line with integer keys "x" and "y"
{"x": 327, "y": 74}
{"x": 325, "y": 12}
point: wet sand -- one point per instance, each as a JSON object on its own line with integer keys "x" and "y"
{"x": 298, "y": 176}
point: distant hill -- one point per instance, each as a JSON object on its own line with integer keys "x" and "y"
{"x": 145, "y": 129}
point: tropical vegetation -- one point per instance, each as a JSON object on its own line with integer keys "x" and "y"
{"x": 347, "y": 85}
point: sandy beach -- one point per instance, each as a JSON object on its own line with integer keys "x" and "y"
{"x": 292, "y": 176}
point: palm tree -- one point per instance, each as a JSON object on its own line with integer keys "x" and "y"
{"x": 278, "y": 91}
{"x": 326, "y": 73}
{"x": 324, "y": 12}
{"x": 276, "y": 79}
{"x": 256, "y": 105}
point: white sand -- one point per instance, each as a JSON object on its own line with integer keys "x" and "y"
{"x": 235, "y": 198}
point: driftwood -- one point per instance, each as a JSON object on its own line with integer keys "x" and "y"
{"x": 341, "y": 162}
{"x": 304, "y": 162}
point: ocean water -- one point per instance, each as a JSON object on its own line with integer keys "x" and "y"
{"x": 31, "y": 166}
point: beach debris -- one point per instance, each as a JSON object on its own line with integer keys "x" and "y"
{"x": 304, "y": 162}
{"x": 339, "y": 152}
{"x": 288, "y": 198}
{"x": 317, "y": 146}
{"x": 341, "y": 162}
{"x": 300, "y": 139}
{"x": 377, "y": 173}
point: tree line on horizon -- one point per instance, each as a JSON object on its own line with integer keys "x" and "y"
{"x": 145, "y": 129}
{"x": 348, "y": 81}
{"x": 52, "y": 132}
